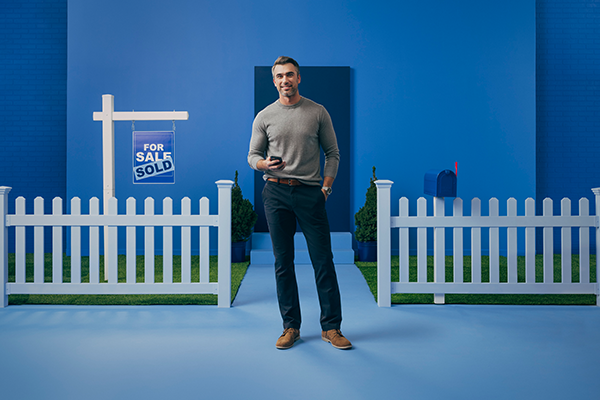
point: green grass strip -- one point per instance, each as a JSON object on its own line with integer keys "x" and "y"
{"x": 369, "y": 271}
{"x": 238, "y": 271}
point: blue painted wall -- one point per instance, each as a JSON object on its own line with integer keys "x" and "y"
{"x": 148, "y": 50}
{"x": 433, "y": 84}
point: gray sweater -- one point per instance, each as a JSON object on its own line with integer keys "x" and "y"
{"x": 295, "y": 133}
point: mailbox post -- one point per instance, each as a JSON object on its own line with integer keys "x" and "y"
{"x": 440, "y": 184}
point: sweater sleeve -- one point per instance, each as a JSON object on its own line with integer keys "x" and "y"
{"x": 329, "y": 145}
{"x": 258, "y": 143}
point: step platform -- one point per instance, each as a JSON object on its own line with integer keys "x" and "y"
{"x": 262, "y": 250}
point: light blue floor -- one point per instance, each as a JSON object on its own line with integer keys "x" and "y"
{"x": 403, "y": 352}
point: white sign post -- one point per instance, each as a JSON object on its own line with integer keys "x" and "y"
{"x": 108, "y": 116}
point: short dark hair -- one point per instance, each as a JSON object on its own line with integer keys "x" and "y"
{"x": 285, "y": 60}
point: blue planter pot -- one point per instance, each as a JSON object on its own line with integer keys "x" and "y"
{"x": 367, "y": 251}
{"x": 238, "y": 252}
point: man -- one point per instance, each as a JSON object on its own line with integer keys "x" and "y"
{"x": 287, "y": 137}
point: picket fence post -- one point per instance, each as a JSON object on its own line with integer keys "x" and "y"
{"x": 439, "y": 249}
{"x": 597, "y": 195}
{"x": 4, "y": 190}
{"x": 384, "y": 240}
{"x": 224, "y": 245}
{"x": 204, "y": 244}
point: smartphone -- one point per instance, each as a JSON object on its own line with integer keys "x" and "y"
{"x": 278, "y": 159}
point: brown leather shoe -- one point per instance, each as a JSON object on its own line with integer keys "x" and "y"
{"x": 337, "y": 340}
{"x": 287, "y": 338}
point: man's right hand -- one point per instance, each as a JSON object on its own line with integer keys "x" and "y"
{"x": 271, "y": 165}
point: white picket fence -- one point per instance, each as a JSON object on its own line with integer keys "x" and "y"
{"x": 439, "y": 222}
{"x": 111, "y": 221}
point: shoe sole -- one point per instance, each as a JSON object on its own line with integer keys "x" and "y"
{"x": 288, "y": 347}
{"x": 337, "y": 347}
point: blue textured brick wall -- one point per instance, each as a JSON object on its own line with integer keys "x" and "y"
{"x": 568, "y": 98}
{"x": 568, "y": 101}
{"x": 33, "y": 87}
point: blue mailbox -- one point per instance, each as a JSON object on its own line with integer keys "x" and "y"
{"x": 440, "y": 183}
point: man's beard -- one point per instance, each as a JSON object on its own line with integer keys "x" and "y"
{"x": 289, "y": 93}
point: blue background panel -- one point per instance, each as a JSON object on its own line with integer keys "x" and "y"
{"x": 330, "y": 87}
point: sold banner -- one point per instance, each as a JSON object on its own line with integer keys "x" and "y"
{"x": 153, "y": 157}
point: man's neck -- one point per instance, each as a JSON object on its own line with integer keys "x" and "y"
{"x": 290, "y": 101}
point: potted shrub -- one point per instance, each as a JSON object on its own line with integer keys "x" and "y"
{"x": 366, "y": 225}
{"x": 243, "y": 218}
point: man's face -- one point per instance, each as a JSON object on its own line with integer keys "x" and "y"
{"x": 286, "y": 79}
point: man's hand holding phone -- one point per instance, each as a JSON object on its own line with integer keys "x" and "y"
{"x": 275, "y": 163}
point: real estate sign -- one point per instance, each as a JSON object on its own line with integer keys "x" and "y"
{"x": 153, "y": 157}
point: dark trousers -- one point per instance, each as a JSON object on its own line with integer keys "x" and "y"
{"x": 284, "y": 205}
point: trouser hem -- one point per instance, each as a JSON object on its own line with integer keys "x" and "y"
{"x": 330, "y": 327}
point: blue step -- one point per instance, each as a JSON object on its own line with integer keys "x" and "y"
{"x": 262, "y": 250}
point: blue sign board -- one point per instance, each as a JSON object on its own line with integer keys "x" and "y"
{"x": 153, "y": 157}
